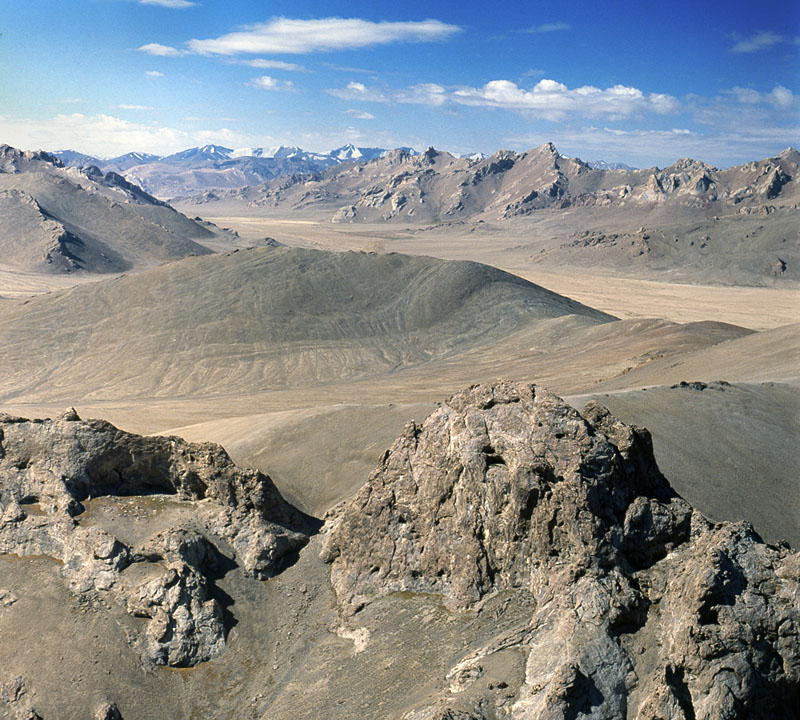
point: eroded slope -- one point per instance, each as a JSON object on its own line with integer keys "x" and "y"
{"x": 262, "y": 319}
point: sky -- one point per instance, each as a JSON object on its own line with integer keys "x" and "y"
{"x": 639, "y": 82}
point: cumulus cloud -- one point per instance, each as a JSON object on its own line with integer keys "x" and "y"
{"x": 762, "y": 40}
{"x": 289, "y": 36}
{"x": 546, "y": 28}
{"x": 358, "y": 91}
{"x": 179, "y": 4}
{"x": 424, "y": 94}
{"x": 160, "y": 50}
{"x": 554, "y": 101}
{"x": 266, "y": 82}
{"x": 746, "y": 107}
{"x": 547, "y": 99}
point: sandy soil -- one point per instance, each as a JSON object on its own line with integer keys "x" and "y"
{"x": 626, "y": 297}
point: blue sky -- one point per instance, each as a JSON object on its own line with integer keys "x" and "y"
{"x": 638, "y": 82}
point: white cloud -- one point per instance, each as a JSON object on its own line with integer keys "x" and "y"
{"x": 779, "y": 97}
{"x": 266, "y": 82}
{"x": 546, "y": 28}
{"x": 262, "y": 64}
{"x": 762, "y": 40}
{"x": 424, "y": 94}
{"x": 161, "y": 50}
{"x": 133, "y": 107}
{"x": 153, "y": 73}
{"x": 108, "y": 135}
{"x": 554, "y": 101}
{"x": 547, "y": 99}
{"x": 288, "y": 36}
{"x": 359, "y": 114}
{"x": 359, "y": 91}
{"x": 105, "y": 135}
{"x": 169, "y": 3}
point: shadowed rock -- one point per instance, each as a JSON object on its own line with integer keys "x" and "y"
{"x": 643, "y": 607}
{"x": 49, "y": 470}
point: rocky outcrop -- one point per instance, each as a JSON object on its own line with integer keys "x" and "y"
{"x": 643, "y": 608}
{"x": 51, "y": 469}
{"x": 438, "y": 186}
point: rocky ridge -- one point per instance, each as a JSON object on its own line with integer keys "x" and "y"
{"x": 56, "y": 219}
{"x": 436, "y": 186}
{"x": 643, "y": 608}
{"x": 52, "y": 471}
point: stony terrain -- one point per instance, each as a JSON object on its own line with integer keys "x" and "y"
{"x": 642, "y": 607}
{"x": 147, "y": 577}
{"x": 575, "y": 581}
{"x": 436, "y": 186}
{"x": 52, "y": 471}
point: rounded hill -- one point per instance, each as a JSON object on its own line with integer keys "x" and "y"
{"x": 262, "y": 319}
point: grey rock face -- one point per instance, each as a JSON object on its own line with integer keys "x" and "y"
{"x": 50, "y": 468}
{"x": 643, "y": 608}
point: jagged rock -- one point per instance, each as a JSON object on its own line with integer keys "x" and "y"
{"x": 50, "y": 468}
{"x": 345, "y": 214}
{"x": 778, "y": 266}
{"x": 108, "y": 711}
{"x": 59, "y": 463}
{"x": 497, "y": 481}
{"x": 186, "y": 626}
{"x": 643, "y": 608}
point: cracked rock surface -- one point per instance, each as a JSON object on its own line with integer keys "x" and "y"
{"x": 52, "y": 472}
{"x": 642, "y": 607}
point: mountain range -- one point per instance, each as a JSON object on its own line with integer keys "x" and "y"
{"x": 214, "y": 166}
{"x": 436, "y": 186}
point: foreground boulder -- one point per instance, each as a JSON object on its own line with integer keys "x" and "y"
{"x": 51, "y": 473}
{"x": 644, "y": 609}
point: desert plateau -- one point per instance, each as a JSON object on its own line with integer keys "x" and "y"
{"x": 385, "y": 433}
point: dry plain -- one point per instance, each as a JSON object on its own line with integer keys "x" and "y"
{"x": 728, "y": 447}
{"x": 320, "y": 437}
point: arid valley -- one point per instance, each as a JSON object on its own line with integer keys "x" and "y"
{"x": 399, "y": 361}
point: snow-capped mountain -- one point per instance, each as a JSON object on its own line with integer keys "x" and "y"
{"x": 473, "y": 156}
{"x": 129, "y": 160}
{"x": 215, "y": 166}
{"x": 73, "y": 158}
{"x": 351, "y": 152}
{"x": 199, "y": 156}
{"x": 603, "y": 165}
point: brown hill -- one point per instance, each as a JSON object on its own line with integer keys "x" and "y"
{"x": 262, "y": 319}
